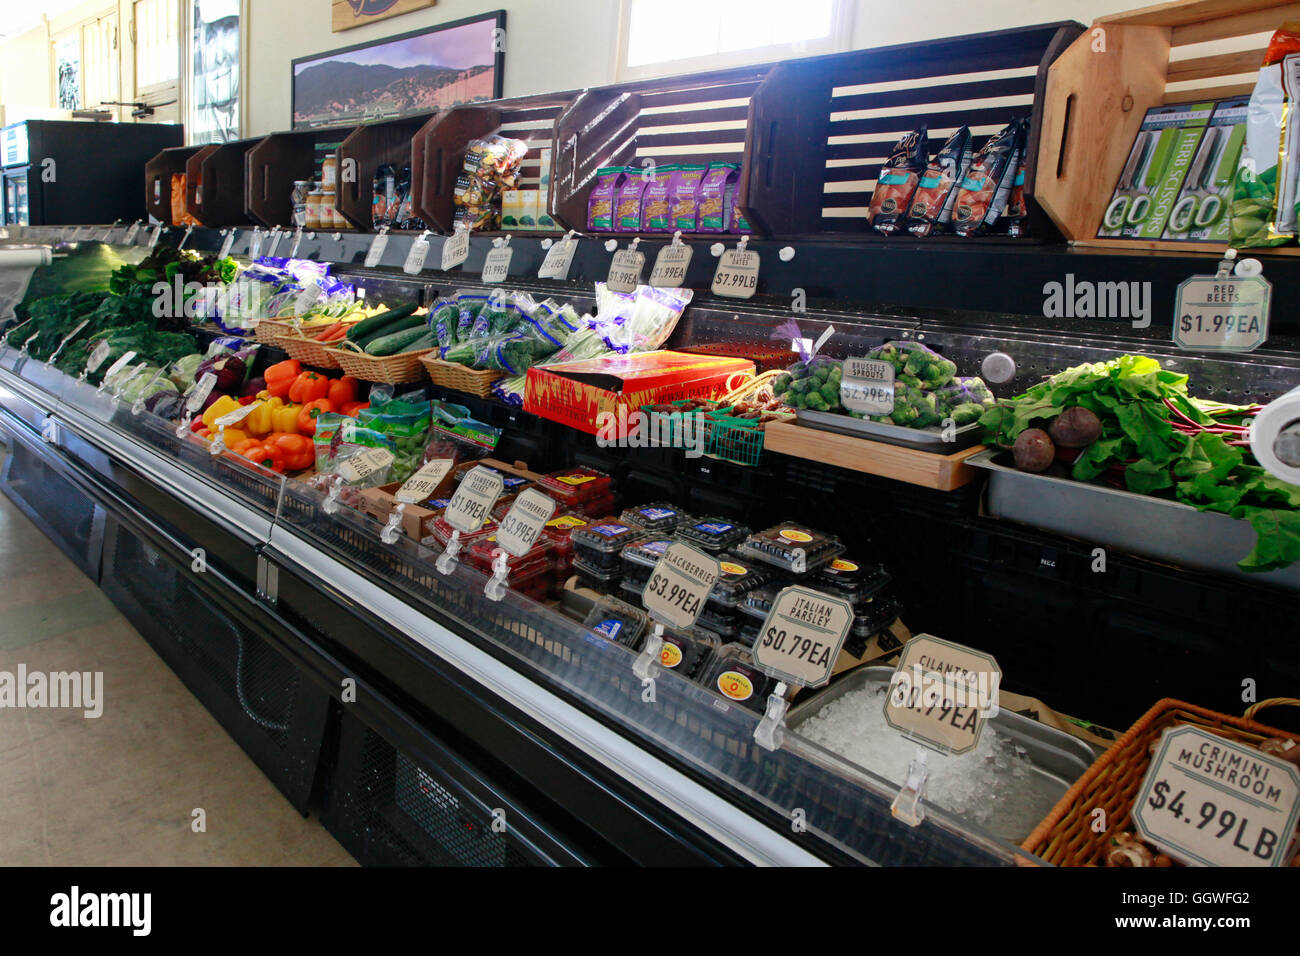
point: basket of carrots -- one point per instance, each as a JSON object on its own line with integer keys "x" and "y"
{"x": 313, "y": 346}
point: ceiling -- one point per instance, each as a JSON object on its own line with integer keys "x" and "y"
{"x": 29, "y": 13}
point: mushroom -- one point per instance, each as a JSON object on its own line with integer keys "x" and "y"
{"x": 1283, "y": 747}
{"x": 1128, "y": 851}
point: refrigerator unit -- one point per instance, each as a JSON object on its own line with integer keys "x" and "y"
{"x": 58, "y": 173}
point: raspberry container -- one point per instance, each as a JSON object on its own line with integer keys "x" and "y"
{"x": 617, "y": 621}
{"x": 792, "y": 547}
{"x": 442, "y": 531}
{"x": 713, "y": 535}
{"x": 575, "y": 487}
{"x": 482, "y": 552}
{"x": 732, "y": 675}
{"x": 600, "y": 543}
{"x": 659, "y": 516}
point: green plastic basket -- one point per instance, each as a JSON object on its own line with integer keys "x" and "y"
{"x": 667, "y": 424}
{"x": 738, "y": 440}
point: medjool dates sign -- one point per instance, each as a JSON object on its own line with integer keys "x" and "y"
{"x": 941, "y": 693}
{"x": 802, "y": 636}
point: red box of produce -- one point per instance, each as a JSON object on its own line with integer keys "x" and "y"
{"x": 578, "y": 394}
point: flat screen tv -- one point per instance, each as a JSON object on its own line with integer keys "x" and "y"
{"x": 419, "y": 72}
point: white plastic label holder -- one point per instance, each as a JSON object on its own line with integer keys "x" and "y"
{"x": 646, "y": 665}
{"x": 909, "y": 806}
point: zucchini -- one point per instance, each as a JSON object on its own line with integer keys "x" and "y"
{"x": 401, "y": 325}
{"x": 368, "y": 327}
{"x": 402, "y": 341}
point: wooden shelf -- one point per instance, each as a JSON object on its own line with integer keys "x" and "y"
{"x": 941, "y": 472}
{"x": 1185, "y": 248}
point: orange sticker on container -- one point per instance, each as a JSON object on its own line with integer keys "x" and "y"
{"x": 734, "y": 685}
{"x": 802, "y": 537}
{"x": 670, "y": 655}
{"x": 730, "y": 568}
{"x": 839, "y": 564}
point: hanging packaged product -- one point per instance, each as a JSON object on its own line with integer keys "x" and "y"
{"x": 1162, "y": 154}
{"x": 1017, "y": 207}
{"x": 1201, "y": 212}
{"x": 931, "y": 204}
{"x": 600, "y": 204}
{"x": 983, "y": 192}
{"x": 491, "y": 166}
{"x": 897, "y": 182}
{"x": 684, "y": 197}
{"x": 1264, "y": 189}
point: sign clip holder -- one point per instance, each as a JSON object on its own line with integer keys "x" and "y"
{"x": 392, "y": 531}
{"x": 646, "y": 665}
{"x": 497, "y": 586}
{"x": 908, "y": 806}
{"x": 450, "y": 557}
{"x": 770, "y": 732}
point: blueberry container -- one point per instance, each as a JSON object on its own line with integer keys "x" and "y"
{"x": 600, "y": 544}
{"x": 792, "y": 547}
{"x": 688, "y": 652}
{"x": 597, "y": 578}
{"x": 732, "y": 675}
{"x": 713, "y": 535}
{"x": 617, "y": 621}
{"x": 855, "y": 581}
{"x": 658, "y": 516}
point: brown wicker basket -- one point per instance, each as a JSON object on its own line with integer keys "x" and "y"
{"x": 267, "y": 330}
{"x": 1066, "y": 838}
{"x": 471, "y": 380}
{"x": 307, "y": 350}
{"x": 392, "y": 369}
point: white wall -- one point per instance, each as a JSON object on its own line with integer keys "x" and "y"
{"x": 569, "y": 44}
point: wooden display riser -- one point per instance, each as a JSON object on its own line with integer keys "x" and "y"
{"x": 941, "y": 472}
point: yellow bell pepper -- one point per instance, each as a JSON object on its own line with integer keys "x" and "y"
{"x": 233, "y": 436}
{"x": 222, "y": 406}
{"x": 284, "y": 417}
{"x": 258, "y": 422}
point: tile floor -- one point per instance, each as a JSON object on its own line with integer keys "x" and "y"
{"x": 121, "y": 789}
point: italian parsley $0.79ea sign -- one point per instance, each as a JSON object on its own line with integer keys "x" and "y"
{"x": 679, "y": 585}
{"x": 802, "y": 636}
{"x": 1212, "y": 801}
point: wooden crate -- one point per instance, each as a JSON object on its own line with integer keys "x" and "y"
{"x": 215, "y": 185}
{"x": 820, "y": 128}
{"x": 369, "y": 147}
{"x": 943, "y": 472}
{"x": 158, "y": 174}
{"x": 698, "y": 118}
{"x": 438, "y": 149}
{"x": 1095, "y": 99}
{"x": 280, "y": 160}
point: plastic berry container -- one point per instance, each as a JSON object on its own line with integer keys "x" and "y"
{"x": 712, "y": 535}
{"x": 726, "y": 624}
{"x": 749, "y": 630}
{"x": 597, "y": 507}
{"x": 641, "y": 556}
{"x": 875, "y": 614}
{"x": 758, "y": 602}
{"x": 659, "y": 516}
{"x": 465, "y": 467}
{"x": 600, "y": 579}
{"x": 732, "y": 676}
{"x": 688, "y": 652}
{"x": 481, "y": 552}
{"x": 442, "y": 531}
{"x": 855, "y": 581}
{"x": 573, "y": 487}
{"x": 739, "y": 577}
{"x": 617, "y": 621}
{"x": 536, "y": 584}
{"x": 600, "y": 544}
{"x": 792, "y": 547}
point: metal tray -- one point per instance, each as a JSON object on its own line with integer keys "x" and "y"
{"x": 922, "y": 439}
{"x": 1055, "y": 755}
{"x": 1154, "y": 528}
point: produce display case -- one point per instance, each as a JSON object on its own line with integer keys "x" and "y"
{"x": 158, "y": 175}
{"x": 438, "y": 150}
{"x": 1096, "y": 97}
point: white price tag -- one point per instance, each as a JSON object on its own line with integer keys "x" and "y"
{"x": 523, "y": 523}
{"x": 97, "y": 356}
{"x": 276, "y": 235}
{"x": 200, "y": 392}
{"x": 455, "y": 250}
{"x": 670, "y": 266}
{"x": 189, "y": 230}
{"x": 227, "y": 244}
{"x": 941, "y": 693}
{"x": 867, "y": 386}
{"x": 132, "y": 233}
{"x": 157, "y": 234}
{"x": 66, "y": 339}
{"x": 377, "y": 247}
{"x": 307, "y": 298}
{"x": 297, "y": 242}
{"x": 424, "y": 482}
{"x": 679, "y": 585}
{"x": 625, "y": 271}
{"x": 737, "y": 275}
{"x": 1211, "y": 801}
{"x": 231, "y": 419}
{"x": 1222, "y": 314}
{"x": 472, "y": 503}
{"x": 802, "y": 636}
{"x": 415, "y": 259}
{"x": 558, "y": 259}
{"x": 255, "y": 244}
{"x": 120, "y": 364}
{"x": 497, "y": 265}
{"x": 360, "y": 468}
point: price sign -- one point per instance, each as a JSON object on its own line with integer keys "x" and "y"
{"x": 737, "y": 275}
{"x": 157, "y": 234}
{"x": 625, "y": 270}
{"x": 132, "y": 233}
{"x": 679, "y": 585}
{"x": 1210, "y": 801}
{"x": 455, "y": 250}
{"x": 307, "y": 298}
{"x": 421, "y": 485}
{"x": 230, "y": 419}
{"x": 66, "y": 339}
{"x": 670, "y": 266}
{"x": 360, "y": 468}
{"x": 227, "y": 244}
{"x": 377, "y": 247}
{"x": 416, "y": 258}
{"x": 1222, "y": 314}
{"x": 473, "y": 501}
{"x": 276, "y": 235}
{"x": 120, "y": 364}
{"x": 802, "y": 636}
{"x": 199, "y": 394}
{"x": 497, "y": 265}
{"x": 523, "y": 523}
{"x": 941, "y": 693}
{"x": 558, "y": 259}
{"x": 255, "y": 244}
{"x": 868, "y": 387}
{"x": 97, "y": 356}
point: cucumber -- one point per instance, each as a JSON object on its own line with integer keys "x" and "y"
{"x": 368, "y": 327}
{"x": 402, "y": 341}
{"x": 401, "y": 325}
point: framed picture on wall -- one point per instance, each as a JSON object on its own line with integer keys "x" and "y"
{"x": 347, "y": 14}
{"x": 420, "y": 72}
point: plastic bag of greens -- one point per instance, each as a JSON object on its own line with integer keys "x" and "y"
{"x": 443, "y": 319}
{"x": 405, "y": 420}
{"x": 470, "y": 305}
{"x": 915, "y": 364}
{"x": 339, "y": 439}
{"x": 967, "y": 390}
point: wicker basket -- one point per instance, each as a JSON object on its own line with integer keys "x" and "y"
{"x": 473, "y": 381}
{"x": 1066, "y": 838}
{"x": 307, "y": 350}
{"x": 267, "y": 330}
{"x": 391, "y": 369}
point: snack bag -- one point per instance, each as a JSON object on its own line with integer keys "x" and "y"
{"x": 897, "y": 182}
{"x": 716, "y": 197}
{"x": 1264, "y": 190}
{"x": 935, "y": 190}
{"x": 655, "y": 211}
{"x": 627, "y": 209}
{"x": 983, "y": 192}
{"x": 683, "y": 197}
{"x": 600, "y": 204}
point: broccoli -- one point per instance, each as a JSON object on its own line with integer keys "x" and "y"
{"x": 930, "y": 367}
{"x": 967, "y": 413}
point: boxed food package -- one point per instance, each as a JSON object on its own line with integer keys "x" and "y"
{"x": 513, "y": 208}
{"x": 1201, "y": 212}
{"x": 600, "y": 392}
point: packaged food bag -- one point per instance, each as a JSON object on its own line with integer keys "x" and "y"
{"x": 897, "y": 182}
{"x": 717, "y": 195}
{"x": 600, "y": 204}
{"x": 982, "y": 194}
{"x": 627, "y": 208}
{"x": 684, "y": 197}
{"x": 931, "y": 205}
{"x": 655, "y": 211}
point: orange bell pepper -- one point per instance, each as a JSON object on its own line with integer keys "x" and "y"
{"x": 351, "y": 408}
{"x": 342, "y": 391}
{"x": 265, "y": 453}
{"x": 310, "y": 412}
{"x": 281, "y": 376}
{"x": 308, "y": 387}
{"x": 298, "y": 451}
